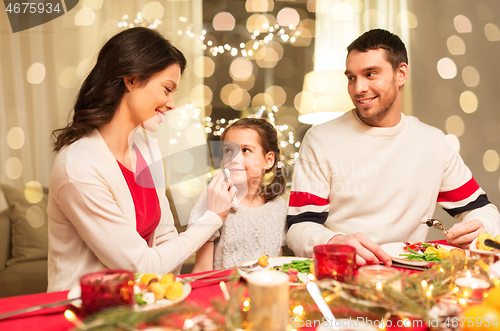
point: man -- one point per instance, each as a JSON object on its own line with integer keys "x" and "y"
{"x": 368, "y": 177}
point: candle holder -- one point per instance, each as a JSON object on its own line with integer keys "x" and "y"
{"x": 471, "y": 286}
{"x": 380, "y": 276}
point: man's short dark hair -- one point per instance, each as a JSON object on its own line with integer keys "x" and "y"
{"x": 379, "y": 38}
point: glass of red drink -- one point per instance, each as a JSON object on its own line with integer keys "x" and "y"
{"x": 106, "y": 288}
{"x": 334, "y": 262}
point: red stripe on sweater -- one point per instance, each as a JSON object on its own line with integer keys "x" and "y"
{"x": 300, "y": 199}
{"x": 458, "y": 194}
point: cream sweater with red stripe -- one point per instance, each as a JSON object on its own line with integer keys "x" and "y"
{"x": 351, "y": 177}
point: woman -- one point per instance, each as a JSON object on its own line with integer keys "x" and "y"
{"x": 107, "y": 205}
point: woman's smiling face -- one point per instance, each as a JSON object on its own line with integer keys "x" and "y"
{"x": 149, "y": 101}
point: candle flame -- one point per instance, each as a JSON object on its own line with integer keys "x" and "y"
{"x": 70, "y": 316}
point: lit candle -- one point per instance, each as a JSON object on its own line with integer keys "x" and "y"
{"x": 379, "y": 275}
{"x": 472, "y": 282}
{"x": 471, "y": 288}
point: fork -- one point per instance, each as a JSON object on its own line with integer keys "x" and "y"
{"x": 433, "y": 223}
{"x": 249, "y": 267}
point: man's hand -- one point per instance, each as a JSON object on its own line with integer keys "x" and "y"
{"x": 367, "y": 252}
{"x": 462, "y": 234}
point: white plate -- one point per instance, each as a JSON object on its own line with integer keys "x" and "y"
{"x": 274, "y": 262}
{"x": 394, "y": 249}
{"x": 76, "y": 293}
{"x": 473, "y": 248}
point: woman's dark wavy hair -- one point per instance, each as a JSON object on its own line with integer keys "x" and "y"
{"x": 269, "y": 142}
{"x": 138, "y": 52}
{"x": 380, "y": 38}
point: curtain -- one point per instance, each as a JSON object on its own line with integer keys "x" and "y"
{"x": 42, "y": 69}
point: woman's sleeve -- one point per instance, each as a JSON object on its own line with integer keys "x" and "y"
{"x": 197, "y": 214}
{"x": 102, "y": 225}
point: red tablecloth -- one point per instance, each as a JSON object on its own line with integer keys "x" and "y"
{"x": 53, "y": 318}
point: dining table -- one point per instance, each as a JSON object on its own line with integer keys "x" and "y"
{"x": 203, "y": 292}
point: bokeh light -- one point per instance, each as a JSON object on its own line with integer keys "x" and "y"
{"x": 407, "y": 20}
{"x": 456, "y": 45}
{"x": 484, "y": 12}
{"x": 68, "y": 78}
{"x": 84, "y": 17}
{"x": 455, "y": 125}
{"x": 260, "y": 22}
{"x": 462, "y": 24}
{"x": 13, "y": 168}
{"x": 226, "y": 91}
{"x": 371, "y": 18}
{"x": 267, "y": 57}
{"x": 203, "y": 67}
{"x": 202, "y": 95}
{"x": 224, "y": 21}
{"x": 288, "y": 17}
{"x": 33, "y": 192}
{"x": 15, "y": 138}
{"x": 246, "y": 84}
{"x": 153, "y": 10}
{"x": 447, "y": 68}
{"x": 342, "y": 12}
{"x": 191, "y": 186}
{"x": 241, "y": 69}
{"x": 239, "y": 99}
{"x": 278, "y": 94}
{"x": 182, "y": 162}
{"x": 306, "y": 31}
{"x": 36, "y": 73}
{"x": 492, "y": 32}
{"x": 470, "y": 76}
{"x": 262, "y": 100}
{"x": 195, "y": 135}
{"x": 491, "y": 160}
{"x": 259, "y": 6}
{"x": 468, "y": 102}
{"x": 83, "y": 68}
{"x": 92, "y": 4}
{"x": 35, "y": 216}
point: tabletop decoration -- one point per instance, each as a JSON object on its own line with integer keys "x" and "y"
{"x": 429, "y": 297}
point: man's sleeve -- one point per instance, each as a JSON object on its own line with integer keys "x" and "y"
{"x": 462, "y": 197}
{"x": 309, "y": 201}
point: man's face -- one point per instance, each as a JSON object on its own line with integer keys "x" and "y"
{"x": 375, "y": 87}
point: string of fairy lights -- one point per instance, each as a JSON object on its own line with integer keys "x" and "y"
{"x": 289, "y": 146}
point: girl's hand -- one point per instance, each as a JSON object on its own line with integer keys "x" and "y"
{"x": 220, "y": 194}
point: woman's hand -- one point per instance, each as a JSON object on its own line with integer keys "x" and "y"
{"x": 220, "y": 194}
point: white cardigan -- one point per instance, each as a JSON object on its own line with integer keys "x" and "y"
{"x": 92, "y": 222}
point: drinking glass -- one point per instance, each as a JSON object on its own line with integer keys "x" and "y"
{"x": 334, "y": 262}
{"x": 106, "y": 288}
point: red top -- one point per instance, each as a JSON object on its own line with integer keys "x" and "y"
{"x": 147, "y": 206}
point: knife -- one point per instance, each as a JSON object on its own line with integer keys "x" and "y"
{"x": 492, "y": 243}
{"x": 38, "y": 307}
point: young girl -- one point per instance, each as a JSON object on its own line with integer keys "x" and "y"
{"x": 257, "y": 225}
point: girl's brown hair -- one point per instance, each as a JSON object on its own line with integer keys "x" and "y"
{"x": 269, "y": 142}
{"x": 138, "y": 52}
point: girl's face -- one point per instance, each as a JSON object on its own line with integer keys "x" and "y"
{"x": 244, "y": 156}
{"x": 149, "y": 101}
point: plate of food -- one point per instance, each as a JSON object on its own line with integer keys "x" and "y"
{"x": 297, "y": 268}
{"x": 151, "y": 291}
{"x": 419, "y": 254}
{"x": 478, "y": 246}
